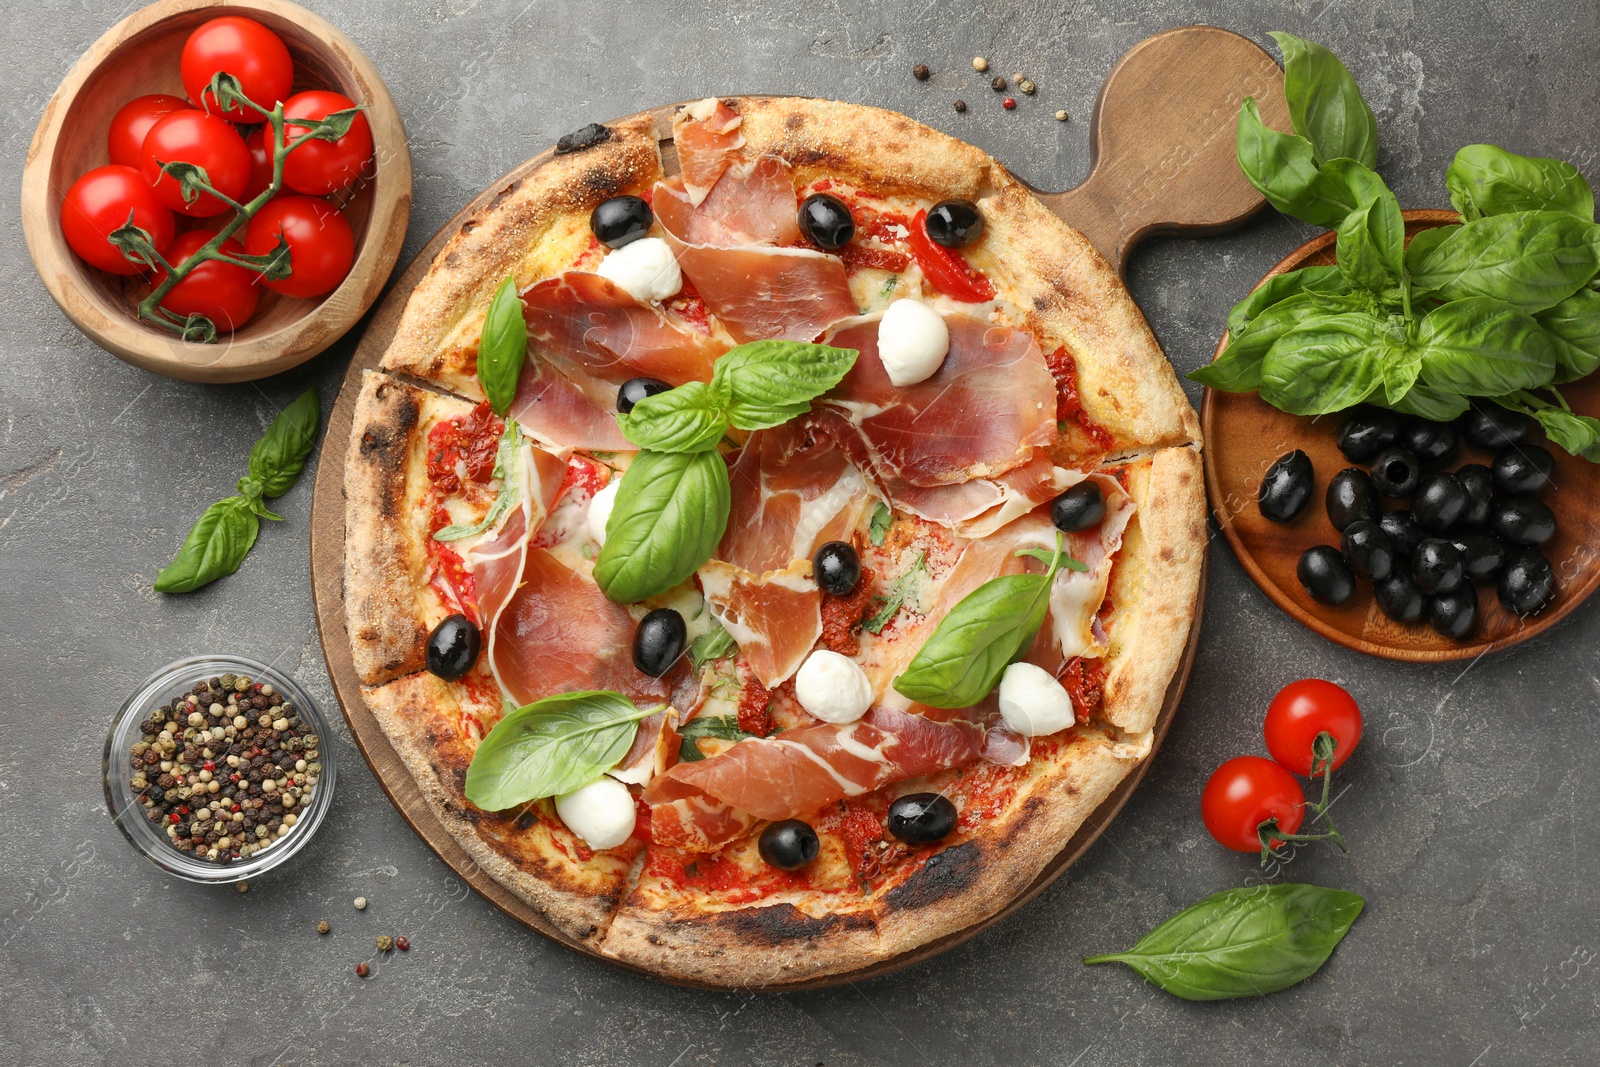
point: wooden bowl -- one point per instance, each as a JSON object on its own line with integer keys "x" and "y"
{"x": 1244, "y": 435}
{"x": 139, "y": 55}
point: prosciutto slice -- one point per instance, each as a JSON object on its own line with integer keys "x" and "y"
{"x": 792, "y": 490}
{"x": 707, "y": 137}
{"x": 776, "y": 616}
{"x": 586, "y": 337}
{"x": 703, "y": 805}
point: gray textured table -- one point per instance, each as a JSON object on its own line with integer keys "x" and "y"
{"x": 1480, "y": 944}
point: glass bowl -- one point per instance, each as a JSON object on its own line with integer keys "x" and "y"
{"x": 150, "y": 838}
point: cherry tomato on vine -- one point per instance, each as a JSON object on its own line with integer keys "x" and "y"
{"x": 321, "y": 243}
{"x": 222, "y": 292}
{"x": 1300, "y": 712}
{"x": 207, "y": 142}
{"x": 100, "y": 202}
{"x": 1245, "y": 792}
{"x": 321, "y": 167}
{"x": 247, "y": 50}
{"x": 133, "y": 120}
{"x": 260, "y": 165}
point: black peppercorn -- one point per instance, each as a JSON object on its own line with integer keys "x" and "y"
{"x": 920, "y": 72}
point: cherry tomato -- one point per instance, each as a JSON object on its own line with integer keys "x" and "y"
{"x": 222, "y": 292}
{"x": 944, "y": 268}
{"x": 201, "y": 139}
{"x": 321, "y": 167}
{"x": 260, "y": 165}
{"x": 321, "y": 243}
{"x": 100, "y": 202}
{"x": 247, "y": 50}
{"x": 133, "y": 120}
{"x": 1300, "y": 712}
{"x": 1245, "y": 792}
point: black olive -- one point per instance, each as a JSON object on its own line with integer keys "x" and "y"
{"x": 1528, "y": 583}
{"x": 658, "y": 641}
{"x": 1367, "y": 432}
{"x": 453, "y": 647}
{"x": 621, "y": 220}
{"x": 1430, "y": 442}
{"x": 1438, "y": 566}
{"x": 1439, "y": 502}
{"x": 1368, "y": 550}
{"x": 1325, "y": 575}
{"x": 826, "y": 221}
{"x": 1482, "y": 554}
{"x": 1395, "y": 473}
{"x": 1523, "y": 521}
{"x": 636, "y": 389}
{"x": 789, "y": 845}
{"x": 1078, "y": 508}
{"x": 1454, "y": 613}
{"x": 1478, "y": 482}
{"x": 1351, "y": 498}
{"x": 1522, "y": 469}
{"x": 1404, "y": 533}
{"x": 1399, "y": 598}
{"x": 954, "y": 223}
{"x": 837, "y": 568}
{"x": 918, "y": 818}
{"x": 1286, "y": 487}
{"x": 1492, "y": 427}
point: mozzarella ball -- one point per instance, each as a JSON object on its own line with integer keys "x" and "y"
{"x": 1032, "y": 702}
{"x": 832, "y": 687}
{"x": 912, "y": 342}
{"x": 645, "y": 268}
{"x": 602, "y": 812}
{"x": 600, "y": 510}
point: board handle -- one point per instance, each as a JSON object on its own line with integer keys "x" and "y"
{"x": 1162, "y": 140}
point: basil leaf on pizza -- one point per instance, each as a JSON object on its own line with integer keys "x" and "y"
{"x": 722, "y": 727}
{"x": 671, "y": 510}
{"x": 767, "y": 383}
{"x": 214, "y": 548}
{"x": 686, "y": 419}
{"x": 552, "y": 746}
{"x": 502, "y": 347}
{"x": 280, "y": 455}
{"x": 507, "y": 469}
{"x": 1243, "y": 942}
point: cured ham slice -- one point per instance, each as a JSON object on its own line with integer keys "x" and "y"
{"x": 702, "y": 805}
{"x": 586, "y": 337}
{"x": 776, "y": 617}
{"x": 793, "y": 490}
{"x": 756, "y": 291}
{"x": 652, "y": 749}
{"x": 983, "y": 413}
{"x": 707, "y": 137}
{"x": 752, "y": 204}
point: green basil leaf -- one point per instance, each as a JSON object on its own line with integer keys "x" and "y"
{"x": 1483, "y": 347}
{"x": 280, "y": 455}
{"x": 1534, "y": 259}
{"x": 1372, "y": 238}
{"x": 1326, "y": 281}
{"x": 214, "y": 548}
{"x": 1283, "y": 168}
{"x": 711, "y": 645}
{"x": 1238, "y": 368}
{"x": 508, "y": 470}
{"x": 1578, "y": 434}
{"x": 1426, "y": 402}
{"x": 1243, "y": 942}
{"x": 1047, "y": 558}
{"x": 878, "y": 528}
{"x": 552, "y": 746}
{"x": 1573, "y": 327}
{"x": 1325, "y": 364}
{"x": 1423, "y": 244}
{"x": 1325, "y": 104}
{"x": 671, "y": 510}
{"x": 722, "y": 727}
{"x": 502, "y": 347}
{"x": 972, "y": 646}
{"x": 685, "y": 419}
{"x": 1485, "y": 179}
{"x": 1400, "y": 373}
{"x": 767, "y": 383}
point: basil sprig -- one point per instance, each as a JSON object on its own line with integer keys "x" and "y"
{"x": 502, "y": 347}
{"x": 552, "y": 746}
{"x": 507, "y": 468}
{"x": 669, "y": 515}
{"x": 989, "y": 629}
{"x": 1487, "y": 180}
{"x": 1243, "y": 942}
{"x": 226, "y": 531}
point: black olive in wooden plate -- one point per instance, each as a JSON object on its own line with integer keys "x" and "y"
{"x": 1286, "y": 487}
{"x": 1367, "y": 549}
{"x": 453, "y": 647}
{"x": 1404, "y": 533}
{"x": 1478, "y": 482}
{"x": 1481, "y": 554}
{"x": 1399, "y": 598}
{"x": 789, "y": 845}
{"x": 1438, "y": 566}
{"x": 1523, "y": 521}
{"x": 1430, "y": 442}
{"x": 837, "y": 568}
{"x": 1492, "y": 427}
{"x": 1439, "y": 502}
{"x": 1528, "y": 583}
{"x": 921, "y": 818}
{"x": 659, "y": 640}
{"x": 1325, "y": 575}
{"x": 1454, "y": 613}
{"x": 1351, "y": 498}
{"x": 1395, "y": 473}
{"x": 1367, "y": 432}
{"x": 620, "y": 220}
{"x": 1079, "y": 508}
{"x": 826, "y": 222}
{"x": 1522, "y": 470}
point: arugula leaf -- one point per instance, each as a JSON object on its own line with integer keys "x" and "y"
{"x": 722, "y": 727}
{"x": 1243, "y": 942}
{"x": 280, "y": 455}
{"x": 1283, "y": 168}
{"x": 552, "y": 746}
{"x": 897, "y": 596}
{"x": 508, "y": 469}
{"x": 711, "y": 645}
{"x": 972, "y": 646}
{"x": 214, "y": 548}
{"x": 1484, "y": 347}
{"x": 1573, "y": 327}
{"x": 686, "y": 419}
{"x": 1485, "y": 179}
{"x": 1325, "y": 103}
{"x": 1578, "y": 434}
{"x": 670, "y": 512}
{"x": 1325, "y": 364}
{"x": 878, "y": 528}
{"x": 1322, "y": 281}
{"x": 1047, "y": 558}
{"x": 502, "y": 347}
{"x": 767, "y": 383}
{"x": 1534, "y": 259}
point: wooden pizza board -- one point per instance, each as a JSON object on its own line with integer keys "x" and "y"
{"x": 1162, "y": 161}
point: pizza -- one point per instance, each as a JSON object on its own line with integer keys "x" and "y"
{"x": 938, "y": 598}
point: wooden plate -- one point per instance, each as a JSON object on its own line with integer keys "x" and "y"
{"x": 1244, "y": 435}
{"x": 1153, "y": 89}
